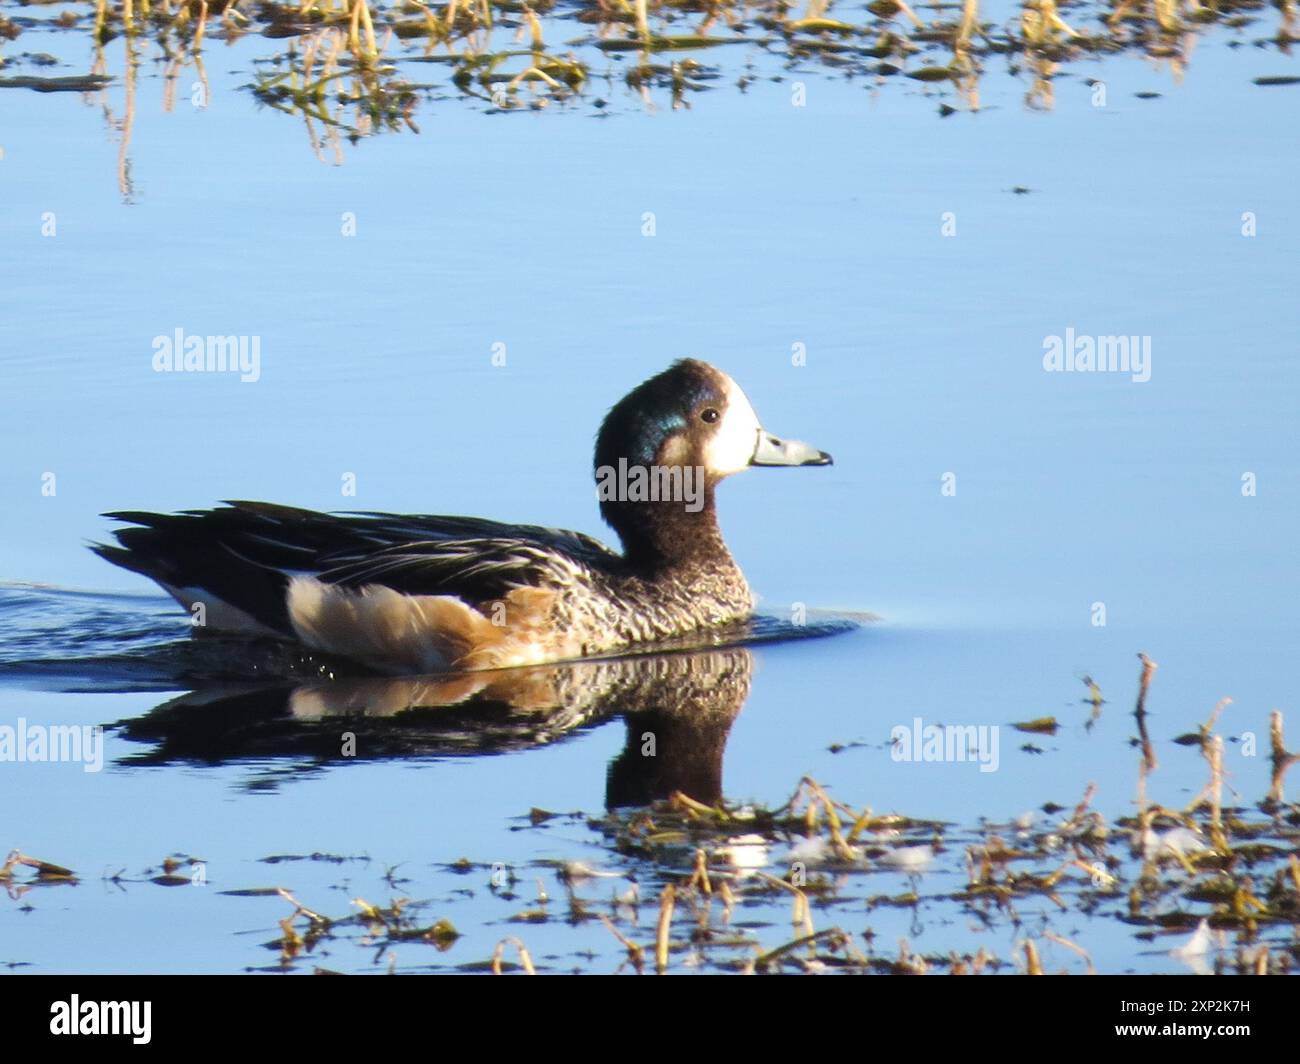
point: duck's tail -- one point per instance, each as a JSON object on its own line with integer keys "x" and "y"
{"x": 196, "y": 558}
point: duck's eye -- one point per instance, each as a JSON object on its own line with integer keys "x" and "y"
{"x": 710, "y": 415}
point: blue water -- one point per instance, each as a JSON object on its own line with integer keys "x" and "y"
{"x": 775, "y": 226}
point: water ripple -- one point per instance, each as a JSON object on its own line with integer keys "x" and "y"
{"x": 70, "y": 640}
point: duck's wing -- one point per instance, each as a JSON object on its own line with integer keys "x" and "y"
{"x": 476, "y": 569}
{"x": 239, "y": 558}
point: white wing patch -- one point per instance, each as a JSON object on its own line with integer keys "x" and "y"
{"x": 217, "y": 615}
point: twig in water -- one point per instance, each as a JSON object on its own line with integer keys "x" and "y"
{"x": 1282, "y": 760}
{"x": 1140, "y": 713}
{"x": 634, "y": 952}
{"x": 666, "y": 901}
{"x": 524, "y": 959}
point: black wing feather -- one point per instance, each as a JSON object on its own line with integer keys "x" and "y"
{"x": 243, "y": 553}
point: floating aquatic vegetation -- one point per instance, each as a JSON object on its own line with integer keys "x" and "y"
{"x": 82, "y": 83}
{"x": 670, "y": 881}
{"x": 45, "y": 872}
{"x": 1220, "y": 884}
{"x": 346, "y": 68}
{"x": 1038, "y": 726}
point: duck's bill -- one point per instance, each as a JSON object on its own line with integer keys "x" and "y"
{"x": 774, "y": 451}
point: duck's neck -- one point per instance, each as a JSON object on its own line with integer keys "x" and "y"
{"x": 663, "y": 538}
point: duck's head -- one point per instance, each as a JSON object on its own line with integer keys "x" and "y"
{"x": 689, "y": 426}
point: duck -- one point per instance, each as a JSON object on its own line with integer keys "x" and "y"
{"x": 422, "y": 593}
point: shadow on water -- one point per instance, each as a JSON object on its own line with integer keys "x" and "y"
{"x": 262, "y": 700}
{"x": 678, "y": 709}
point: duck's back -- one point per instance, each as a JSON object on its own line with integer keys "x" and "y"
{"x": 243, "y": 561}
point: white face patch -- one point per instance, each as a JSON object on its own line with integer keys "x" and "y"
{"x": 735, "y": 436}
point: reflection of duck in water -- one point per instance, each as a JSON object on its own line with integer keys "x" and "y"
{"x": 678, "y": 709}
{"x": 424, "y": 593}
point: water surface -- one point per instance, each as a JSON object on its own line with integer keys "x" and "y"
{"x": 802, "y": 249}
